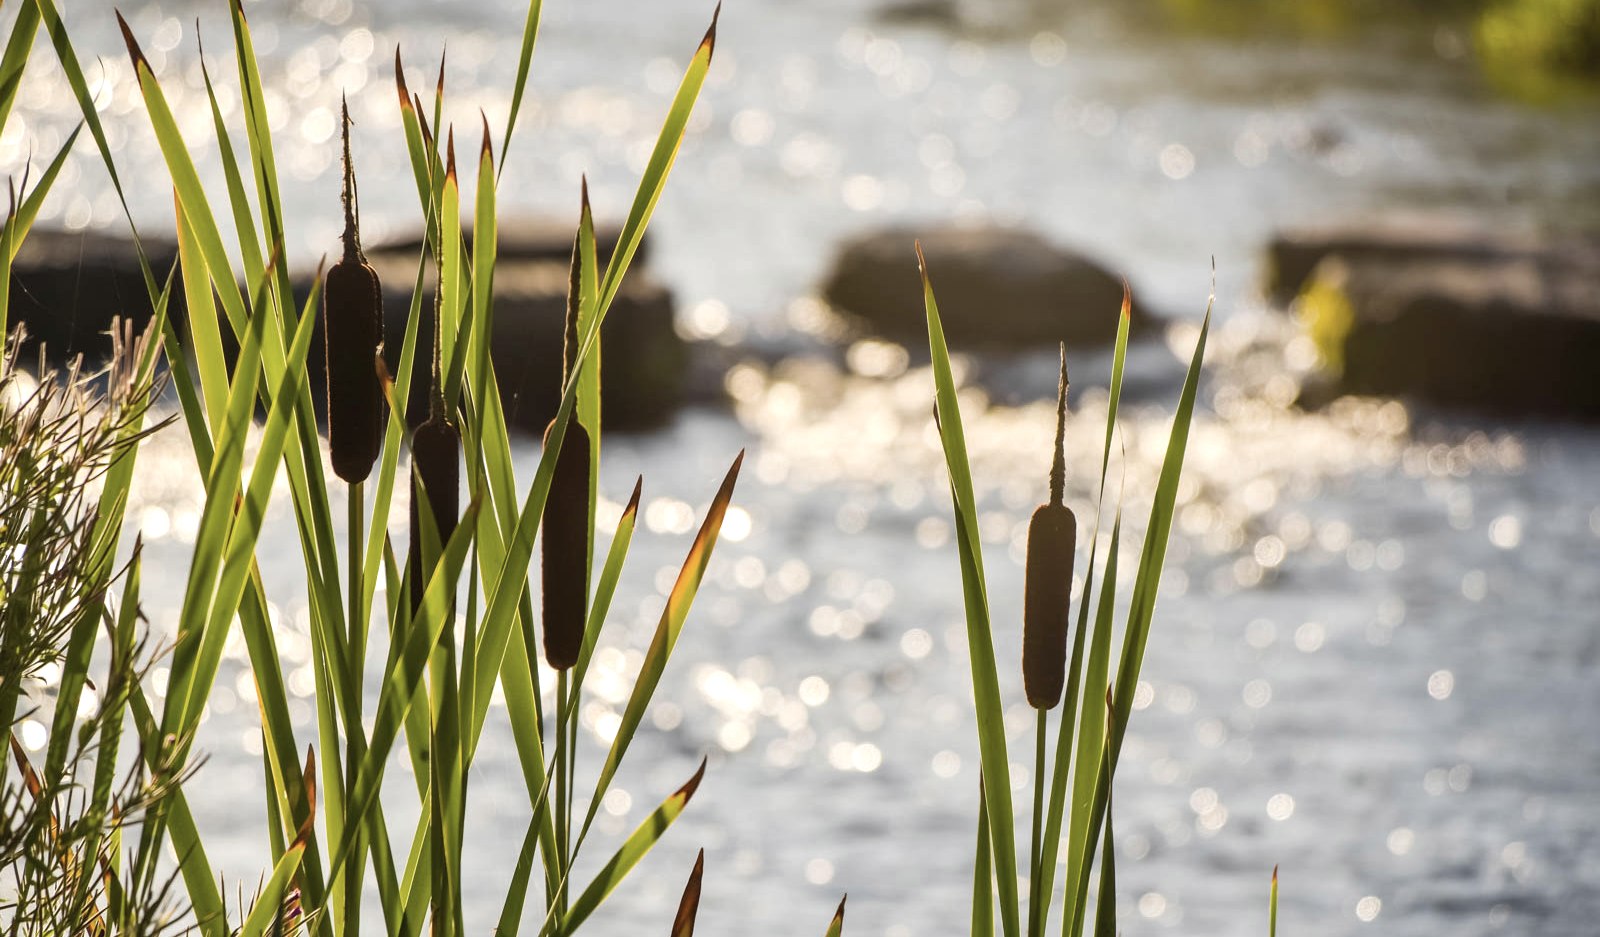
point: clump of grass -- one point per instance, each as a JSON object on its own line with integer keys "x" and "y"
{"x": 67, "y": 441}
{"x": 327, "y": 825}
{"x": 1095, "y": 704}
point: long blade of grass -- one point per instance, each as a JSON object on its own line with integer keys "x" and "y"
{"x": 983, "y": 875}
{"x": 268, "y": 909}
{"x": 205, "y": 898}
{"x": 1091, "y": 731}
{"x": 1146, "y": 581}
{"x": 632, "y": 850}
{"x": 400, "y": 683}
{"x": 517, "y": 891}
{"x": 666, "y": 637}
{"x": 980, "y": 641}
{"x": 205, "y": 338}
{"x": 659, "y": 166}
{"x": 15, "y": 59}
{"x": 28, "y": 210}
{"x": 1061, "y": 772}
{"x": 530, "y": 35}
{"x": 836, "y": 925}
{"x": 606, "y": 585}
{"x": 689, "y": 904}
{"x": 1272, "y": 906}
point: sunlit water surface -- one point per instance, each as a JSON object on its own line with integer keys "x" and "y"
{"x": 1376, "y": 659}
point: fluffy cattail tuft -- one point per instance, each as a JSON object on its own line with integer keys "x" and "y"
{"x": 435, "y": 482}
{"x": 1052, "y": 541}
{"x": 564, "y": 559}
{"x": 352, "y": 325}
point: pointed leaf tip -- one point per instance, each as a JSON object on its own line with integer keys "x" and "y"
{"x": 487, "y": 150}
{"x": 438, "y": 88}
{"x": 689, "y": 904}
{"x": 450, "y": 154}
{"x": 709, "y": 43}
{"x": 633, "y": 502}
{"x": 1127, "y": 298}
{"x": 400, "y": 81}
{"x": 134, "y": 52}
{"x": 922, "y": 262}
{"x": 693, "y": 784}
{"x": 584, "y": 197}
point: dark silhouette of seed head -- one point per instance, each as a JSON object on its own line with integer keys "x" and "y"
{"x": 352, "y": 325}
{"x": 435, "y": 484}
{"x": 1047, "y": 587}
{"x": 564, "y": 556}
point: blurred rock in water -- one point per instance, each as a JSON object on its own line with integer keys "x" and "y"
{"x": 643, "y": 359}
{"x": 522, "y": 239}
{"x": 67, "y": 285}
{"x": 1294, "y": 252}
{"x": 1513, "y": 330}
{"x": 996, "y": 286}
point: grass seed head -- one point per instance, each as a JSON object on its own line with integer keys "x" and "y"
{"x": 352, "y": 320}
{"x": 435, "y": 481}
{"x": 564, "y": 559}
{"x": 1047, "y": 586}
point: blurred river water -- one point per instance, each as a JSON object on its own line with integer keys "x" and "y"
{"x": 1376, "y": 661}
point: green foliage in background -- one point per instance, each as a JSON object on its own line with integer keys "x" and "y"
{"x": 1541, "y": 51}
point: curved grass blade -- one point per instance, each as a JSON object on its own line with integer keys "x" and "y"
{"x": 1146, "y": 582}
{"x": 530, "y": 35}
{"x": 400, "y": 683}
{"x": 1272, "y": 906}
{"x": 205, "y": 898}
{"x": 23, "y": 30}
{"x": 660, "y": 165}
{"x": 666, "y": 637}
{"x": 268, "y": 909}
{"x": 1062, "y": 772}
{"x": 606, "y": 585}
{"x": 632, "y": 850}
{"x": 28, "y": 210}
{"x": 836, "y": 925}
{"x": 983, "y": 875}
{"x": 205, "y": 338}
{"x": 1088, "y": 774}
{"x": 980, "y": 641}
{"x": 689, "y": 904}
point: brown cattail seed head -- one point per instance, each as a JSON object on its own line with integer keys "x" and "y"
{"x": 1047, "y": 587}
{"x": 435, "y": 481}
{"x": 352, "y": 325}
{"x": 565, "y": 545}
{"x": 565, "y": 549}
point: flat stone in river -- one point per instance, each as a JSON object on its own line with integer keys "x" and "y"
{"x": 1513, "y": 330}
{"x": 1001, "y": 287}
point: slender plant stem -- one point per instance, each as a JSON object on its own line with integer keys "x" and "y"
{"x": 563, "y": 817}
{"x": 1037, "y": 888}
{"x": 356, "y": 647}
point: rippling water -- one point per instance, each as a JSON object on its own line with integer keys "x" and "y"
{"x": 1376, "y": 661}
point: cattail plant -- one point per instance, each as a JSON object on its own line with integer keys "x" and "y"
{"x": 435, "y": 454}
{"x": 1071, "y": 816}
{"x": 565, "y": 548}
{"x": 1047, "y": 589}
{"x": 352, "y": 321}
